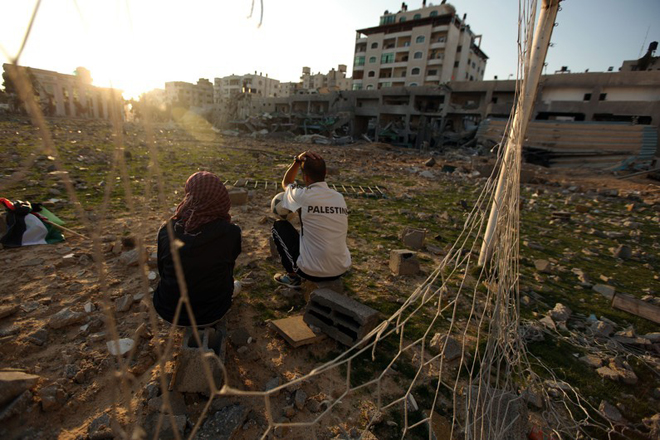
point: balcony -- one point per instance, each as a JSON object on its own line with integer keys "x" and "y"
{"x": 432, "y": 77}
{"x": 361, "y": 40}
{"x": 438, "y": 45}
{"x": 434, "y": 62}
{"x": 443, "y": 28}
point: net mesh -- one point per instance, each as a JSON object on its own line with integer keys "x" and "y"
{"x": 458, "y": 334}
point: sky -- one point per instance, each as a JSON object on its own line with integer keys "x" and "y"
{"x": 138, "y": 45}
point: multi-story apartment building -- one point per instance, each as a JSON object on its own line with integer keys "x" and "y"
{"x": 334, "y": 80}
{"x": 253, "y": 84}
{"x": 188, "y": 94}
{"x": 423, "y": 47}
{"x": 71, "y": 96}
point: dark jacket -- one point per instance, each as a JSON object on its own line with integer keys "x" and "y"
{"x": 207, "y": 256}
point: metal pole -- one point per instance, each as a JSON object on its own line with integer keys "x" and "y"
{"x": 539, "y": 49}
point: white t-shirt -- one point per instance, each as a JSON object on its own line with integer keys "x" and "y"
{"x": 324, "y": 223}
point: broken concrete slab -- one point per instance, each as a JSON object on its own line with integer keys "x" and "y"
{"x": 14, "y": 383}
{"x": 606, "y": 290}
{"x": 295, "y": 331}
{"x": 238, "y": 196}
{"x": 190, "y": 376}
{"x": 64, "y": 318}
{"x": 413, "y": 238}
{"x": 403, "y": 262}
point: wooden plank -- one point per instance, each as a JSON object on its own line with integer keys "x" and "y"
{"x": 636, "y": 306}
{"x": 295, "y": 331}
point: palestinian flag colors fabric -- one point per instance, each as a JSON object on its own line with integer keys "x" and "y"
{"x": 27, "y": 225}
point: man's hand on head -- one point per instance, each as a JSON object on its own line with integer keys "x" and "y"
{"x": 304, "y": 155}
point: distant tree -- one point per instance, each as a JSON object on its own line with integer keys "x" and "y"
{"x": 15, "y": 103}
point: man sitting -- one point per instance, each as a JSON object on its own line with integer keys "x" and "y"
{"x": 319, "y": 251}
{"x": 208, "y": 245}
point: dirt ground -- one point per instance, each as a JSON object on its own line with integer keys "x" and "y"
{"x": 39, "y": 281}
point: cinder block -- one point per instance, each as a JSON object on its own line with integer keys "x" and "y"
{"x": 339, "y": 316}
{"x": 403, "y": 262}
{"x": 413, "y": 238}
{"x": 190, "y": 376}
{"x": 309, "y": 286}
{"x": 238, "y": 196}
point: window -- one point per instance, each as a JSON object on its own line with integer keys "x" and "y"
{"x": 417, "y": 55}
{"x": 455, "y": 64}
{"x": 412, "y": 85}
{"x": 417, "y": 16}
{"x": 419, "y": 39}
{"x": 587, "y": 97}
{"x": 357, "y": 86}
{"x": 387, "y": 58}
{"x": 433, "y": 14}
{"x": 371, "y": 74}
{"x": 459, "y": 48}
{"x": 359, "y": 61}
{"x": 473, "y": 65}
{"x": 471, "y": 78}
{"x": 433, "y": 72}
{"x": 386, "y": 84}
{"x": 602, "y": 96}
{"x": 370, "y": 87}
{"x": 494, "y": 100}
{"x": 374, "y": 45}
{"x": 372, "y": 59}
{"x": 387, "y": 19}
{"x": 415, "y": 71}
{"x": 402, "y": 19}
{"x": 442, "y": 39}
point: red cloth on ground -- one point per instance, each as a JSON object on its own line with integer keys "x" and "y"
{"x": 206, "y": 200}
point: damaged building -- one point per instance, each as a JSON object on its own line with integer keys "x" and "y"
{"x": 452, "y": 113}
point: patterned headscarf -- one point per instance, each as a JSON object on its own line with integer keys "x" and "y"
{"x": 206, "y": 200}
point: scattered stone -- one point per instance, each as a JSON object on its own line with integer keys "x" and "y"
{"x": 100, "y": 428}
{"x": 427, "y": 174}
{"x": 64, "y": 318}
{"x": 120, "y": 347}
{"x": 430, "y": 162}
{"x": 130, "y": 258}
{"x": 560, "y": 313}
{"x": 167, "y": 432}
{"x": 299, "y": 399}
{"x": 53, "y": 397}
{"x": 450, "y": 349}
{"x": 70, "y": 371}
{"x": 17, "y": 406}
{"x": 176, "y": 400}
{"x": 238, "y": 196}
{"x": 152, "y": 275}
{"x": 30, "y": 306}
{"x": 124, "y": 303}
{"x": 542, "y": 266}
{"x": 592, "y": 360}
{"x": 273, "y": 383}
{"x": 313, "y": 406}
{"x": 413, "y": 238}
{"x": 609, "y": 411}
{"x": 89, "y": 307}
{"x": 8, "y": 310}
{"x": 624, "y": 252}
{"x": 224, "y": 424}
{"x": 602, "y": 329}
{"x": 533, "y": 398}
{"x": 548, "y": 322}
{"x": 289, "y": 412}
{"x": 605, "y": 290}
{"x": 239, "y": 337}
{"x": 40, "y": 337}
{"x": 14, "y": 383}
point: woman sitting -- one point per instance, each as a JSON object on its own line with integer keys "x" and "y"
{"x": 208, "y": 245}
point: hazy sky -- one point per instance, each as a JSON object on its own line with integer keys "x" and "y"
{"x": 138, "y": 45}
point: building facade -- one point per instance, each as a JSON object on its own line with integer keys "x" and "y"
{"x": 332, "y": 81}
{"x": 423, "y": 47}
{"x": 71, "y": 96}
{"x": 189, "y": 94}
{"x": 253, "y": 84}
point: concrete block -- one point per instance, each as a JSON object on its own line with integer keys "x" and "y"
{"x": 403, "y": 262}
{"x": 339, "y": 316}
{"x": 308, "y": 286}
{"x": 238, "y": 196}
{"x": 189, "y": 375}
{"x": 413, "y": 238}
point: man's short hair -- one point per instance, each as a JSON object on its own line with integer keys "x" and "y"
{"x": 314, "y": 169}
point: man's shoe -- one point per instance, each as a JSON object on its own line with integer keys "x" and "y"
{"x": 290, "y": 281}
